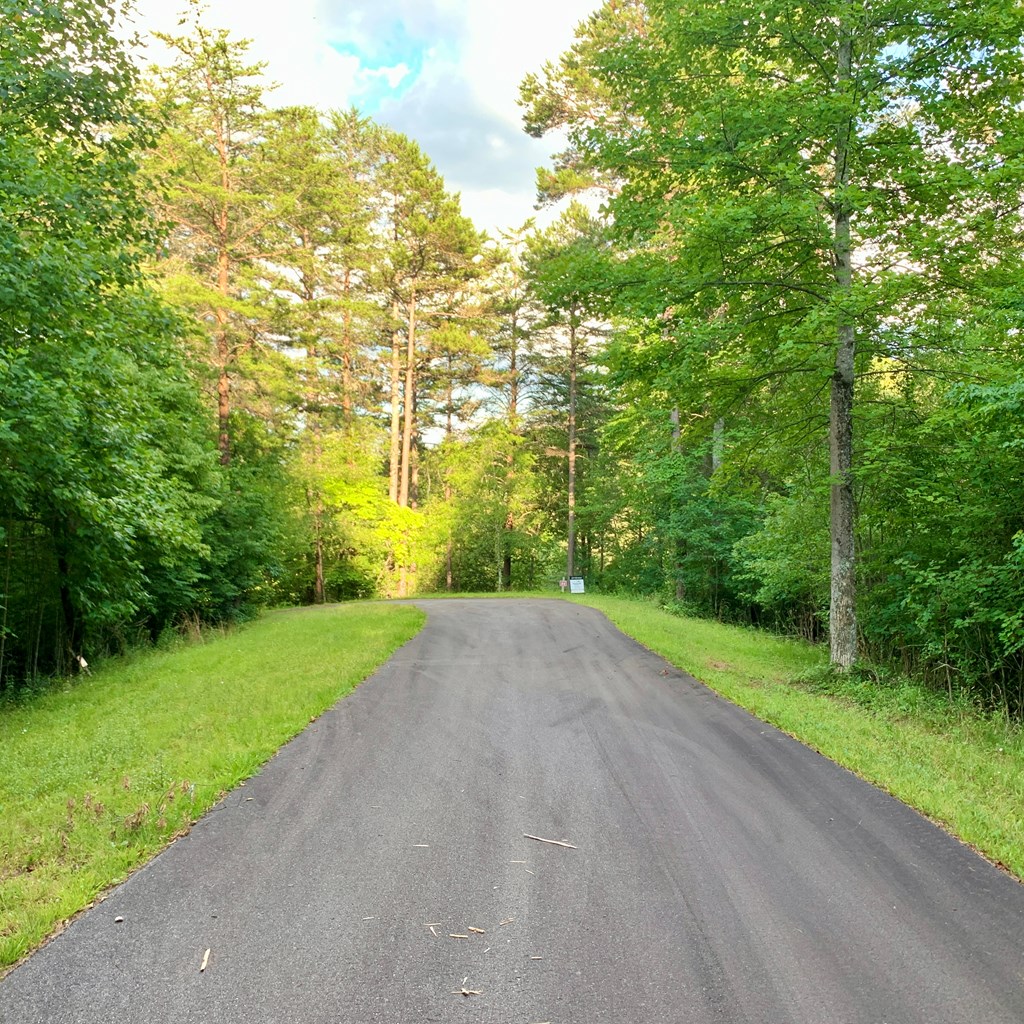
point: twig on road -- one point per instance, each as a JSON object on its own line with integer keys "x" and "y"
{"x": 206, "y": 960}
{"x": 552, "y": 842}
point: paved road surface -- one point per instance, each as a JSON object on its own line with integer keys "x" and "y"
{"x": 722, "y": 872}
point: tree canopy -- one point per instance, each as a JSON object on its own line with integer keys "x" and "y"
{"x": 761, "y": 358}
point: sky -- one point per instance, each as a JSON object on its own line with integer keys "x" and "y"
{"x": 444, "y": 72}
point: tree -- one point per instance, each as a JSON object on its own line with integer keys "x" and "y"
{"x": 104, "y": 472}
{"x": 211, "y": 100}
{"x": 791, "y": 177}
{"x": 561, "y": 264}
{"x": 316, "y": 169}
{"x": 511, "y": 376}
{"x": 430, "y": 250}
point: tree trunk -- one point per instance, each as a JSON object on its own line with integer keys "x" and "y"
{"x": 7, "y": 601}
{"x": 570, "y": 560}
{"x": 396, "y": 428}
{"x": 842, "y": 616}
{"x": 223, "y": 359}
{"x": 223, "y": 284}
{"x": 450, "y": 546}
{"x": 410, "y": 391}
{"x": 680, "y": 542}
{"x": 346, "y": 350}
{"x": 414, "y": 478}
{"x": 510, "y": 458}
{"x": 319, "y": 590}
{"x": 72, "y": 621}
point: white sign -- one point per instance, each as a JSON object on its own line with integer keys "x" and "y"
{"x": 576, "y": 585}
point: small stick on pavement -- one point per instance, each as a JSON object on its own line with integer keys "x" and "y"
{"x": 467, "y": 991}
{"x": 508, "y": 920}
{"x": 453, "y": 935}
{"x": 432, "y": 932}
{"x": 206, "y": 960}
{"x": 552, "y": 842}
{"x": 479, "y": 931}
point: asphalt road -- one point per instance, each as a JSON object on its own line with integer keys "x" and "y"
{"x": 721, "y": 871}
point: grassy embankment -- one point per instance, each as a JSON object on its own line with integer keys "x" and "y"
{"x": 98, "y": 775}
{"x": 962, "y": 768}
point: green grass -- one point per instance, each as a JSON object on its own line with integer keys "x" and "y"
{"x": 98, "y": 775}
{"x": 960, "y": 767}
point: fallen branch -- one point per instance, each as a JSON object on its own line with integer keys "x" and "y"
{"x": 552, "y": 842}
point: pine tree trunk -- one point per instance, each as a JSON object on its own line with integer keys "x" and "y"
{"x": 346, "y": 350}
{"x": 570, "y": 560}
{"x": 315, "y": 497}
{"x": 510, "y": 458}
{"x": 319, "y": 589}
{"x": 450, "y": 547}
{"x": 842, "y": 616}
{"x": 223, "y": 285}
{"x": 410, "y": 391}
{"x": 223, "y": 359}
{"x": 396, "y": 422}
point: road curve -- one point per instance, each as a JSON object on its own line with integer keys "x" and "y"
{"x": 721, "y": 872}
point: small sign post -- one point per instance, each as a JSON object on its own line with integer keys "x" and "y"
{"x": 576, "y": 585}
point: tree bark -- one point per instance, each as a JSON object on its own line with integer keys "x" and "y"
{"x": 346, "y": 350}
{"x": 570, "y": 560}
{"x": 842, "y": 615}
{"x": 319, "y": 589}
{"x": 223, "y": 285}
{"x": 680, "y": 542}
{"x": 396, "y": 428}
{"x": 510, "y": 458}
{"x": 72, "y": 620}
{"x": 410, "y": 391}
{"x": 450, "y": 546}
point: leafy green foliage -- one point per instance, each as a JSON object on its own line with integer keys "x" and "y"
{"x": 748, "y": 150}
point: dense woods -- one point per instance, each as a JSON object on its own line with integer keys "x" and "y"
{"x": 764, "y": 362}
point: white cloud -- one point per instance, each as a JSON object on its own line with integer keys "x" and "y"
{"x": 445, "y": 72}
{"x": 393, "y": 76}
{"x": 509, "y": 40}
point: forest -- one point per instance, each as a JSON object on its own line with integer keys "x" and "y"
{"x": 763, "y": 363}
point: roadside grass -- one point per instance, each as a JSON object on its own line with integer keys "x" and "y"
{"x": 960, "y": 767}
{"x": 98, "y": 775}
